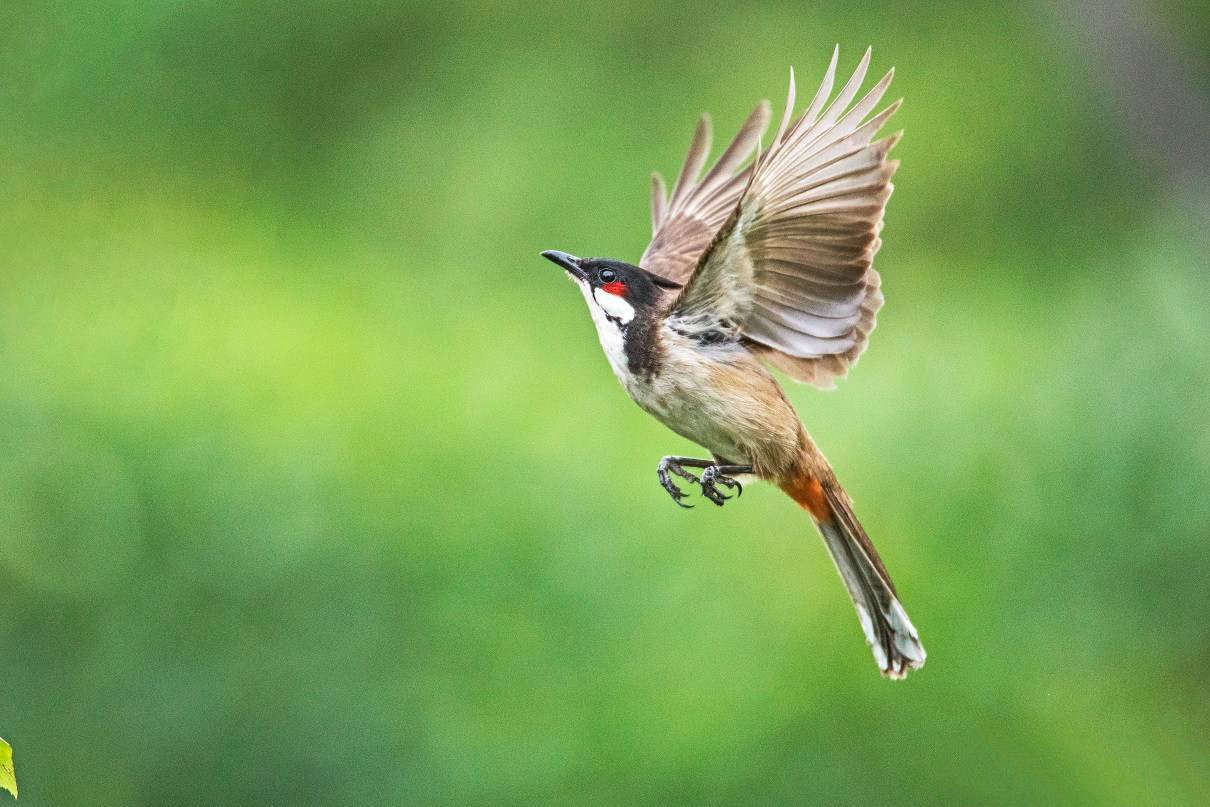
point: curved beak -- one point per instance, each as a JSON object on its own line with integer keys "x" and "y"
{"x": 569, "y": 262}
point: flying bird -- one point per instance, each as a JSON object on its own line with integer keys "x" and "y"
{"x": 758, "y": 264}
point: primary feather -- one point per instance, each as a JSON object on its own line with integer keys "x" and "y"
{"x": 683, "y": 226}
{"x": 784, "y": 248}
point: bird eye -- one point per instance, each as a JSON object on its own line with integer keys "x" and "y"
{"x": 607, "y": 275}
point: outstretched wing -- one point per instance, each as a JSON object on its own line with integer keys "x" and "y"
{"x": 792, "y": 268}
{"x": 683, "y": 225}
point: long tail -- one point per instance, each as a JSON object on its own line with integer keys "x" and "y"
{"x": 888, "y": 631}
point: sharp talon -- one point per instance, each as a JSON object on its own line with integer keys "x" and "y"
{"x": 666, "y": 482}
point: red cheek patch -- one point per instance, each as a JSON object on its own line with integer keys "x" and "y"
{"x": 616, "y": 287}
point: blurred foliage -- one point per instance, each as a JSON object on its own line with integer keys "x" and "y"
{"x": 316, "y": 489}
{"x": 8, "y": 780}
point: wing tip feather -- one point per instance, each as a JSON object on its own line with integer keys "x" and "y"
{"x": 890, "y": 141}
{"x": 659, "y": 200}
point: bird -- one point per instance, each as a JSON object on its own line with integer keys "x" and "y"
{"x": 763, "y": 262}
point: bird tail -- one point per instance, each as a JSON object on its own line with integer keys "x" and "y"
{"x": 888, "y": 631}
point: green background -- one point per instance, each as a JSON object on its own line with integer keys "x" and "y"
{"x": 315, "y": 487}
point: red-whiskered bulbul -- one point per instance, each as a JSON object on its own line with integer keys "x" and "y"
{"x": 768, "y": 264}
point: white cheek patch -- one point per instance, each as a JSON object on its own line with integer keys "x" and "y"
{"x": 614, "y": 306}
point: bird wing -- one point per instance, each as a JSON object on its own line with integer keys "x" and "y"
{"x": 683, "y": 225}
{"x": 792, "y": 266}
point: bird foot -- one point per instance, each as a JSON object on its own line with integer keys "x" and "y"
{"x": 670, "y": 467}
{"x": 712, "y": 477}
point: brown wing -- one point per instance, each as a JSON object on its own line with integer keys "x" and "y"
{"x": 683, "y": 225}
{"x": 793, "y": 267}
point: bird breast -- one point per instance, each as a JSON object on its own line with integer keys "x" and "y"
{"x": 720, "y": 397}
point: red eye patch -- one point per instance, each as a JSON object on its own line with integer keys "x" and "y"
{"x": 616, "y": 287}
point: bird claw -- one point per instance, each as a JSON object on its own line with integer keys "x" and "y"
{"x": 669, "y": 466}
{"x": 712, "y": 478}
{"x": 710, "y": 482}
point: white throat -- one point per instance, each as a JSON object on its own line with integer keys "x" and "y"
{"x": 610, "y": 313}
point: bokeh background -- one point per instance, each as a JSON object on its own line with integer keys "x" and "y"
{"x": 316, "y": 489}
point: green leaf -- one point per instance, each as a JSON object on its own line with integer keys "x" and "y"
{"x": 8, "y": 778}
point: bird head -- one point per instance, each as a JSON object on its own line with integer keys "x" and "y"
{"x": 615, "y": 291}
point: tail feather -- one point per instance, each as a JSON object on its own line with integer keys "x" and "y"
{"x": 888, "y": 630}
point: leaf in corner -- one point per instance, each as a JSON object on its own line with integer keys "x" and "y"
{"x": 8, "y": 779}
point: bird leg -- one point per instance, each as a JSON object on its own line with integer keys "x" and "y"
{"x": 675, "y": 466}
{"x": 721, "y": 475}
{"x": 714, "y": 474}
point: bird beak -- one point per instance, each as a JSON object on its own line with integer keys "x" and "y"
{"x": 569, "y": 262}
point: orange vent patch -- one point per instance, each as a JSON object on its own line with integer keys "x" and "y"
{"x": 807, "y": 491}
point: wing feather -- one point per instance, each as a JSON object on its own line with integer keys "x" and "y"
{"x": 825, "y": 89}
{"x": 684, "y": 225}
{"x": 793, "y": 262}
{"x": 699, "y": 150}
{"x": 749, "y": 134}
{"x": 659, "y": 201}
